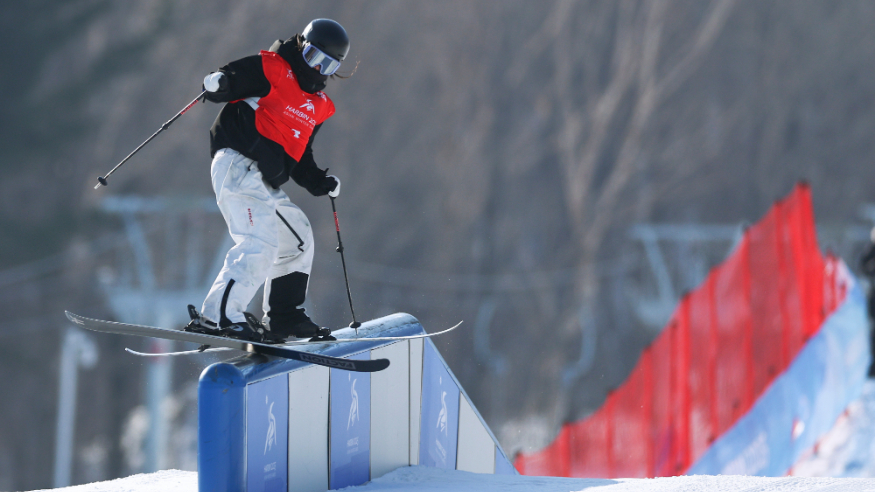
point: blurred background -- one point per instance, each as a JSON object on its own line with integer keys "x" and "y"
{"x": 556, "y": 174}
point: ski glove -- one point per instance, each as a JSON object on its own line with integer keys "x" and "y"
{"x": 216, "y": 85}
{"x": 336, "y": 191}
{"x": 327, "y": 185}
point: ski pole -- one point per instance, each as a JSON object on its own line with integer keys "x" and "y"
{"x": 101, "y": 180}
{"x": 355, "y": 324}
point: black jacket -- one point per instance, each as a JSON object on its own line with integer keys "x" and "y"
{"x": 234, "y": 128}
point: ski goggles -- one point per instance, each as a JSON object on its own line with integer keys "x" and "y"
{"x": 316, "y": 57}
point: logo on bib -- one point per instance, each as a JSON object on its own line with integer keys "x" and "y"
{"x": 292, "y": 111}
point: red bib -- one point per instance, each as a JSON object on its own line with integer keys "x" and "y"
{"x": 287, "y": 115}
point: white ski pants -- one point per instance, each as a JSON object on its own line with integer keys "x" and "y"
{"x": 272, "y": 238}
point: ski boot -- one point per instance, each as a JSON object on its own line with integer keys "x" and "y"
{"x": 307, "y": 328}
{"x": 322, "y": 335}
{"x": 302, "y": 329}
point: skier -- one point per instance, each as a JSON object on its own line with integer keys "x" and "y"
{"x": 262, "y": 137}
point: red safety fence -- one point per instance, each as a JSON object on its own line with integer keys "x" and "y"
{"x": 725, "y": 343}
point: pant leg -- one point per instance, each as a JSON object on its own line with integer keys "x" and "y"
{"x": 285, "y": 288}
{"x": 248, "y": 208}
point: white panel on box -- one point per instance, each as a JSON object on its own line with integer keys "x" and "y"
{"x": 390, "y": 410}
{"x": 308, "y": 429}
{"x": 415, "y": 398}
{"x": 476, "y": 451}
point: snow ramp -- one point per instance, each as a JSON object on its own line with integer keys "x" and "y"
{"x": 269, "y": 424}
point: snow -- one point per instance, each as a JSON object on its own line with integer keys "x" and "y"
{"x": 162, "y": 481}
{"x": 848, "y": 449}
{"x": 423, "y": 479}
{"x": 846, "y": 452}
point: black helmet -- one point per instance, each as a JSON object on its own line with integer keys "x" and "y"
{"x": 328, "y": 36}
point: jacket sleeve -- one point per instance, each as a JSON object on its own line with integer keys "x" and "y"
{"x": 305, "y": 172}
{"x": 245, "y": 79}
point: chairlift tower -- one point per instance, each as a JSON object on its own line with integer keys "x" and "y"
{"x": 77, "y": 350}
{"x": 155, "y": 292}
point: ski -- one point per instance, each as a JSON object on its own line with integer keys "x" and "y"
{"x": 173, "y": 354}
{"x": 242, "y": 345}
{"x": 300, "y": 342}
{"x": 371, "y": 339}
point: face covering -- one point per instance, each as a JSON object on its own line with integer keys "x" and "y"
{"x": 309, "y": 79}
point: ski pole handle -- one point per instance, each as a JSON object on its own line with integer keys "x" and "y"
{"x": 101, "y": 180}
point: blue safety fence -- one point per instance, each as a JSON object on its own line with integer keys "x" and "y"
{"x": 269, "y": 424}
{"x": 802, "y": 404}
